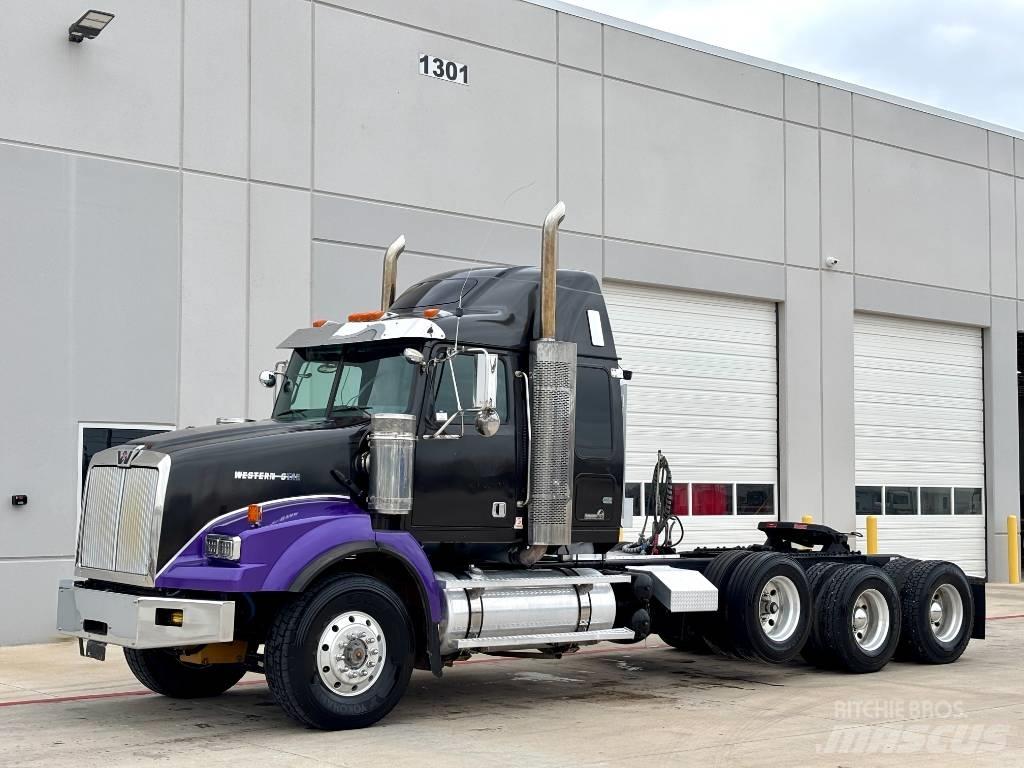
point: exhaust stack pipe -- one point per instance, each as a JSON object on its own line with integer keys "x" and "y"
{"x": 553, "y": 422}
{"x": 389, "y": 282}
{"x": 549, "y": 269}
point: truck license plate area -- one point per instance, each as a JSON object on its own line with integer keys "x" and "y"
{"x": 92, "y": 649}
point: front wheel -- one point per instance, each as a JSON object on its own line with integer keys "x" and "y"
{"x": 340, "y": 657}
{"x": 162, "y": 672}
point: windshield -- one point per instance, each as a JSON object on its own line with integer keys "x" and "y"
{"x": 351, "y": 380}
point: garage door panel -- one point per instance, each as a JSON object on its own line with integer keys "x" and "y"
{"x": 704, "y": 392}
{"x": 960, "y": 539}
{"x": 919, "y": 423}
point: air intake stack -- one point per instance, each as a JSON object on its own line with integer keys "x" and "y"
{"x": 553, "y": 377}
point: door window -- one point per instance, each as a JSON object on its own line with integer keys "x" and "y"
{"x": 464, "y": 369}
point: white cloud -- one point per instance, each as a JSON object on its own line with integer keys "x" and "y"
{"x": 961, "y": 55}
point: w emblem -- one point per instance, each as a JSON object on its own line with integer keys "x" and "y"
{"x": 124, "y": 458}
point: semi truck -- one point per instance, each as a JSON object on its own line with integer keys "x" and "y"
{"x": 443, "y": 477}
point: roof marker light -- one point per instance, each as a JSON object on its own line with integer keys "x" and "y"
{"x": 365, "y": 317}
{"x": 319, "y": 323}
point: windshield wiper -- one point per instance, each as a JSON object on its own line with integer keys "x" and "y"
{"x": 337, "y": 408}
{"x": 291, "y": 412}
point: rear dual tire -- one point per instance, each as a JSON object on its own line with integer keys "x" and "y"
{"x": 764, "y": 606}
{"x": 856, "y": 618}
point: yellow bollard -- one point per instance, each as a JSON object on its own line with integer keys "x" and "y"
{"x": 807, "y": 519}
{"x": 872, "y": 535}
{"x": 1013, "y": 546}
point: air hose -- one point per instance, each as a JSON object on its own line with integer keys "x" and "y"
{"x": 659, "y": 510}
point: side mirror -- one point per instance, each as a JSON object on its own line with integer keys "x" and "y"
{"x": 485, "y": 393}
{"x": 487, "y": 422}
{"x": 414, "y": 356}
{"x": 268, "y": 379}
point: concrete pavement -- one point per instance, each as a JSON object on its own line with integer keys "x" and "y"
{"x": 609, "y": 705}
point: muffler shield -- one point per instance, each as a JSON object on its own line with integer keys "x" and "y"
{"x": 553, "y": 380}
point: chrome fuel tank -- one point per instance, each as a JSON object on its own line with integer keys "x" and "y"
{"x": 531, "y": 605}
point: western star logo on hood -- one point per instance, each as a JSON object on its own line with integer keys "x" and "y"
{"x": 239, "y": 475}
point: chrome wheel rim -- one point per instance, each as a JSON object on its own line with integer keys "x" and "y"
{"x": 946, "y": 613}
{"x": 869, "y": 622}
{"x": 779, "y": 608}
{"x": 351, "y": 653}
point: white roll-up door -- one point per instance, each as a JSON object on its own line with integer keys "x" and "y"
{"x": 704, "y": 392}
{"x": 920, "y": 438}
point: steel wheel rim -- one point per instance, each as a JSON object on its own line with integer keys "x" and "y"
{"x": 351, "y": 653}
{"x": 779, "y": 609}
{"x": 946, "y": 613}
{"x": 869, "y": 621}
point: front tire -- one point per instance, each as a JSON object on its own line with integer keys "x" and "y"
{"x": 340, "y": 656}
{"x": 162, "y": 672}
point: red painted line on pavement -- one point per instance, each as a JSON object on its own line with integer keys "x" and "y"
{"x": 94, "y": 696}
{"x": 1000, "y": 618}
{"x": 125, "y": 694}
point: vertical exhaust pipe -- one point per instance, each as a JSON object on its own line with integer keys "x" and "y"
{"x": 549, "y": 269}
{"x": 553, "y": 423}
{"x": 389, "y": 281}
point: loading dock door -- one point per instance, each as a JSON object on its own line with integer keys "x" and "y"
{"x": 704, "y": 392}
{"x": 920, "y": 438}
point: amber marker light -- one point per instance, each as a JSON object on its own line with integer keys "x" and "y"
{"x": 365, "y": 317}
{"x": 255, "y": 514}
{"x": 431, "y": 313}
{"x": 319, "y": 323}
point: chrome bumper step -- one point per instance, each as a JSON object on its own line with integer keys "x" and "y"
{"x": 555, "y": 638}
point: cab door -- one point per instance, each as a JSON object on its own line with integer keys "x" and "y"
{"x": 465, "y": 484}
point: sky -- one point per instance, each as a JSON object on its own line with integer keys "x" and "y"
{"x": 966, "y": 56}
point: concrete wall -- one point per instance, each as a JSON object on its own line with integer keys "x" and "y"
{"x": 179, "y": 194}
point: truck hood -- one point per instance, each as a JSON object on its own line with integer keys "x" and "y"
{"x": 217, "y": 470}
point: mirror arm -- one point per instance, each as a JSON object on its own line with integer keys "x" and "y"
{"x": 444, "y": 426}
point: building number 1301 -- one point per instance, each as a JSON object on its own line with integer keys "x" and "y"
{"x": 442, "y": 69}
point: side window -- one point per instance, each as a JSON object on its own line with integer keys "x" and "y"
{"x": 465, "y": 375}
{"x": 593, "y": 412}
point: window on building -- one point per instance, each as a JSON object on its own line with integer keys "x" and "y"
{"x": 936, "y": 501}
{"x": 967, "y": 501}
{"x": 593, "y": 412}
{"x": 869, "y": 500}
{"x": 755, "y": 499}
{"x": 632, "y": 506}
{"x": 712, "y": 499}
{"x": 900, "y": 500}
{"x": 99, "y": 437}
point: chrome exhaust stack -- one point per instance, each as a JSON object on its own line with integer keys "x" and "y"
{"x": 553, "y": 423}
{"x": 389, "y": 281}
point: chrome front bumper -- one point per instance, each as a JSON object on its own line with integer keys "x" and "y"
{"x": 131, "y": 620}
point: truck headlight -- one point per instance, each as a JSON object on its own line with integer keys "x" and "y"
{"x": 219, "y": 547}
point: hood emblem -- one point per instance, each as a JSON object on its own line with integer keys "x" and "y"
{"x": 125, "y": 456}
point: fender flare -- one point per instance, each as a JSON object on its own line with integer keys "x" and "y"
{"x": 324, "y": 561}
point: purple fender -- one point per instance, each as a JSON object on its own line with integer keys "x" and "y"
{"x": 296, "y": 540}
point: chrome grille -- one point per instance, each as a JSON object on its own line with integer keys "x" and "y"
{"x": 134, "y": 533}
{"x": 117, "y": 519}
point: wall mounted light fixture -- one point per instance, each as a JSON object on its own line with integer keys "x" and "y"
{"x": 89, "y": 25}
